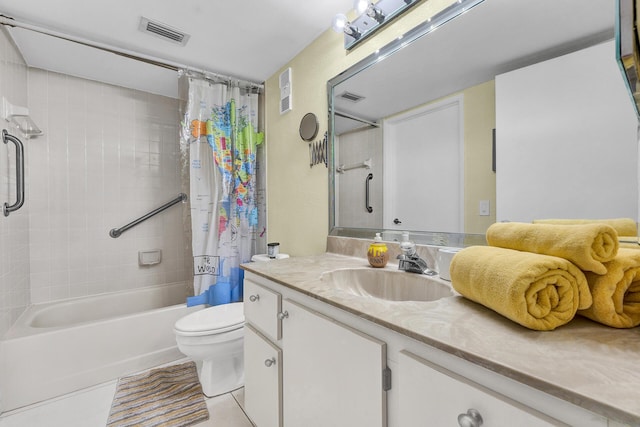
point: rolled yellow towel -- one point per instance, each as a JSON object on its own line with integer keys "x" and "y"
{"x": 623, "y": 226}
{"x": 616, "y": 295}
{"x": 588, "y": 245}
{"x": 539, "y": 292}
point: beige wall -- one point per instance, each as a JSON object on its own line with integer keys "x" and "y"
{"x": 479, "y": 179}
{"x": 298, "y": 195}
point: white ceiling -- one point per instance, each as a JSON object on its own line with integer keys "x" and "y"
{"x": 246, "y": 39}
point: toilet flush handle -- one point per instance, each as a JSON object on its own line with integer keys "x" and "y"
{"x": 269, "y": 362}
{"x": 254, "y": 298}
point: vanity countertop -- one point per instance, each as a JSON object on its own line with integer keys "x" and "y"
{"x": 590, "y": 365}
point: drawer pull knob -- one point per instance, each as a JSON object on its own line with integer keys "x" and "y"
{"x": 283, "y": 315}
{"x": 471, "y": 419}
{"x": 254, "y": 298}
{"x": 270, "y": 362}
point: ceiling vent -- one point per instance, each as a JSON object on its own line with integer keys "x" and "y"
{"x": 351, "y": 97}
{"x": 163, "y": 31}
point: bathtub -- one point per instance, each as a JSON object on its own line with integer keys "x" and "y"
{"x": 59, "y": 347}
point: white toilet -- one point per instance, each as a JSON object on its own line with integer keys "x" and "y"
{"x": 213, "y": 338}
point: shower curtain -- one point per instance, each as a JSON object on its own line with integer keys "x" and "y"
{"x": 219, "y": 133}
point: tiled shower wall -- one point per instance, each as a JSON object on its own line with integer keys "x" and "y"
{"x": 108, "y": 156}
{"x": 14, "y": 229}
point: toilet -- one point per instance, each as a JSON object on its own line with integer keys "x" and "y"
{"x": 213, "y": 338}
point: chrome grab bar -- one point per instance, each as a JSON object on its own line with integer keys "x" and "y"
{"x": 364, "y": 164}
{"x": 116, "y": 232}
{"x": 6, "y": 137}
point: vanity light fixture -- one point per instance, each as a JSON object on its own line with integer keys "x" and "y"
{"x": 375, "y": 13}
{"x": 360, "y": 6}
{"x": 370, "y": 17}
{"x": 341, "y": 24}
{"x": 365, "y": 6}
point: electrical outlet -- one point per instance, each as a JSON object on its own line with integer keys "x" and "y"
{"x": 485, "y": 208}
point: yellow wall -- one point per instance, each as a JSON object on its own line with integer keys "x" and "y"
{"x": 479, "y": 179}
{"x": 298, "y": 210}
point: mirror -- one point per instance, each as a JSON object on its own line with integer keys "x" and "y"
{"x": 308, "y": 127}
{"x": 393, "y": 155}
{"x": 628, "y": 48}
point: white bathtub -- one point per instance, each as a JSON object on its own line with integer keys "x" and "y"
{"x": 59, "y": 347}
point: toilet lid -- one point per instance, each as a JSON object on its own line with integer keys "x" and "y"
{"x": 212, "y": 320}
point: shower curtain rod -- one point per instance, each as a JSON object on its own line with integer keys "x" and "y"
{"x": 357, "y": 119}
{"x": 4, "y": 20}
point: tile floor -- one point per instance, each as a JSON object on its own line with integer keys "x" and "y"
{"x": 90, "y": 408}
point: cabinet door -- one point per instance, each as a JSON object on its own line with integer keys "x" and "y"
{"x": 430, "y": 395}
{"x": 263, "y": 379}
{"x": 261, "y": 308}
{"x": 332, "y": 374}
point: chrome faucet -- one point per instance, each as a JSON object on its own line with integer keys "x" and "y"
{"x": 410, "y": 261}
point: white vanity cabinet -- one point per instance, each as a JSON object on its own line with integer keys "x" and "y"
{"x": 309, "y": 363}
{"x": 430, "y": 395}
{"x": 333, "y": 374}
{"x": 262, "y": 355}
{"x": 305, "y": 369}
{"x": 261, "y": 308}
{"x": 263, "y": 379}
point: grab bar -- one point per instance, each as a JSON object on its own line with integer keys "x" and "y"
{"x": 366, "y": 193}
{"x": 116, "y": 232}
{"x": 365, "y": 164}
{"x": 6, "y": 137}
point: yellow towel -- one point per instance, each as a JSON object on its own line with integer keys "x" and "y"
{"x": 539, "y": 292}
{"x": 616, "y": 295}
{"x": 587, "y": 245}
{"x": 623, "y": 226}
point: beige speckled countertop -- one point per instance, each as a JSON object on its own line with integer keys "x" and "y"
{"x": 585, "y": 363}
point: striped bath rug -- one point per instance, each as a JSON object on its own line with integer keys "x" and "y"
{"x": 167, "y": 397}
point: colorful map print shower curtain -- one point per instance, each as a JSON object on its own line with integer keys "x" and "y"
{"x": 220, "y": 133}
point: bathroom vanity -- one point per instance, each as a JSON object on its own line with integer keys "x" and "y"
{"x": 318, "y": 355}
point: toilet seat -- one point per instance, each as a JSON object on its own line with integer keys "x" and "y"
{"x": 212, "y": 320}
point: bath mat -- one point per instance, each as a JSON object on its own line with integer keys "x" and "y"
{"x": 167, "y": 397}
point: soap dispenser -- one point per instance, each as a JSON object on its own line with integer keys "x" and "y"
{"x": 407, "y": 247}
{"x": 377, "y": 254}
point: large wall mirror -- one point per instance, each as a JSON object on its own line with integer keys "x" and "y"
{"x": 495, "y": 110}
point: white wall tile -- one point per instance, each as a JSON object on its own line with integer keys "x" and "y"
{"x": 14, "y": 229}
{"x": 109, "y": 155}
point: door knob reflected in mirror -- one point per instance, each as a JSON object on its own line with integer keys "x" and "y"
{"x": 254, "y": 298}
{"x": 397, "y": 221}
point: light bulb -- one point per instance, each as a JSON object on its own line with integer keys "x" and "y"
{"x": 360, "y": 6}
{"x": 339, "y": 22}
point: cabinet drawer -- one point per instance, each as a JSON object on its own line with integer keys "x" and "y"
{"x": 263, "y": 379}
{"x": 430, "y": 395}
{"x": 261, "y": 308}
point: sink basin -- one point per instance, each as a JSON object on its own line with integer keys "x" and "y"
{"x": 391, "y": 285}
